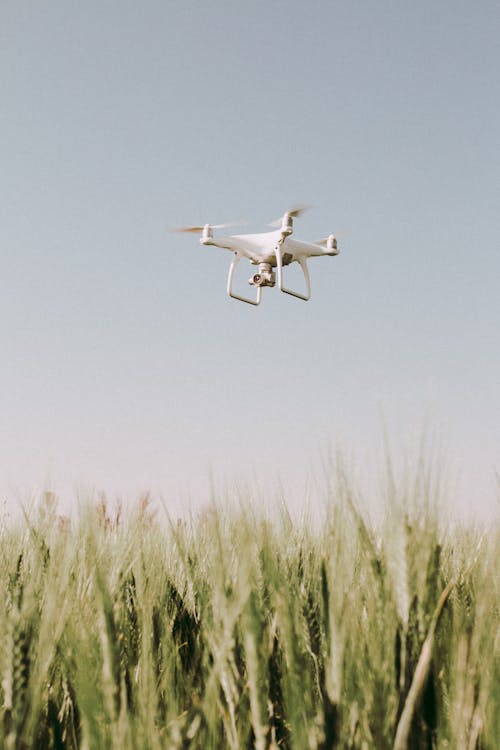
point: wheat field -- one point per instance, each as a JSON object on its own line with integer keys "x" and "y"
{"x": 236, "y": 630}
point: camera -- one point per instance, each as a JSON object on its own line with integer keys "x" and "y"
{"x": 265, "y": 277}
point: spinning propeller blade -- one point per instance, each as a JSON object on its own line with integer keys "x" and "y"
{"x": 293, "y": 212}
{"x": 338, "y": 236}
{"x": 195, "y": 230}
{"x": 298, "y": 210}
{"x": 198, "y": 229}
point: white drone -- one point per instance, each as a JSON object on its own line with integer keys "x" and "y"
{"x": 268, "y": 250}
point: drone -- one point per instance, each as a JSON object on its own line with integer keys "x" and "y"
{"x": 268, "y": 251}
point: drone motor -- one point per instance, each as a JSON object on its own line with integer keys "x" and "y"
{"x": 207, "y": 234}
{"x": 331, "y": 245}
{"x": 287, "y": 225}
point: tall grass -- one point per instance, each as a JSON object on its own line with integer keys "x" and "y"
{"x": 236, "y": 631}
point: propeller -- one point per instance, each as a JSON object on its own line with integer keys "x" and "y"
{"x": 293, "y": 213}
{"x": 198, "y": 229}
{"x": 330, "y": 244}
{"x": 338, "y": 235}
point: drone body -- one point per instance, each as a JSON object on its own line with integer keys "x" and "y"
{"x": 268, "y": 250}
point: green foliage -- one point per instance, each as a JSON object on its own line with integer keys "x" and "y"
{"x": 235, "y": 631}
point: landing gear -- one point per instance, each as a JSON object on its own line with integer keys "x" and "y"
{"x": 256, "y": 301}
{"x": 303, "y": 264}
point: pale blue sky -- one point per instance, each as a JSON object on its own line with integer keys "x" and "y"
{"x": 124, "y": 364}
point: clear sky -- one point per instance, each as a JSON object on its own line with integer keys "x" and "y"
{"x": 124, "y": 365}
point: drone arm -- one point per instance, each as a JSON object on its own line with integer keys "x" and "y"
{"x": 303, "y": 264}
{"x": 234, "y": 263}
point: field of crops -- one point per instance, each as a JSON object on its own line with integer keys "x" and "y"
{"x": 239, "y": 631}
